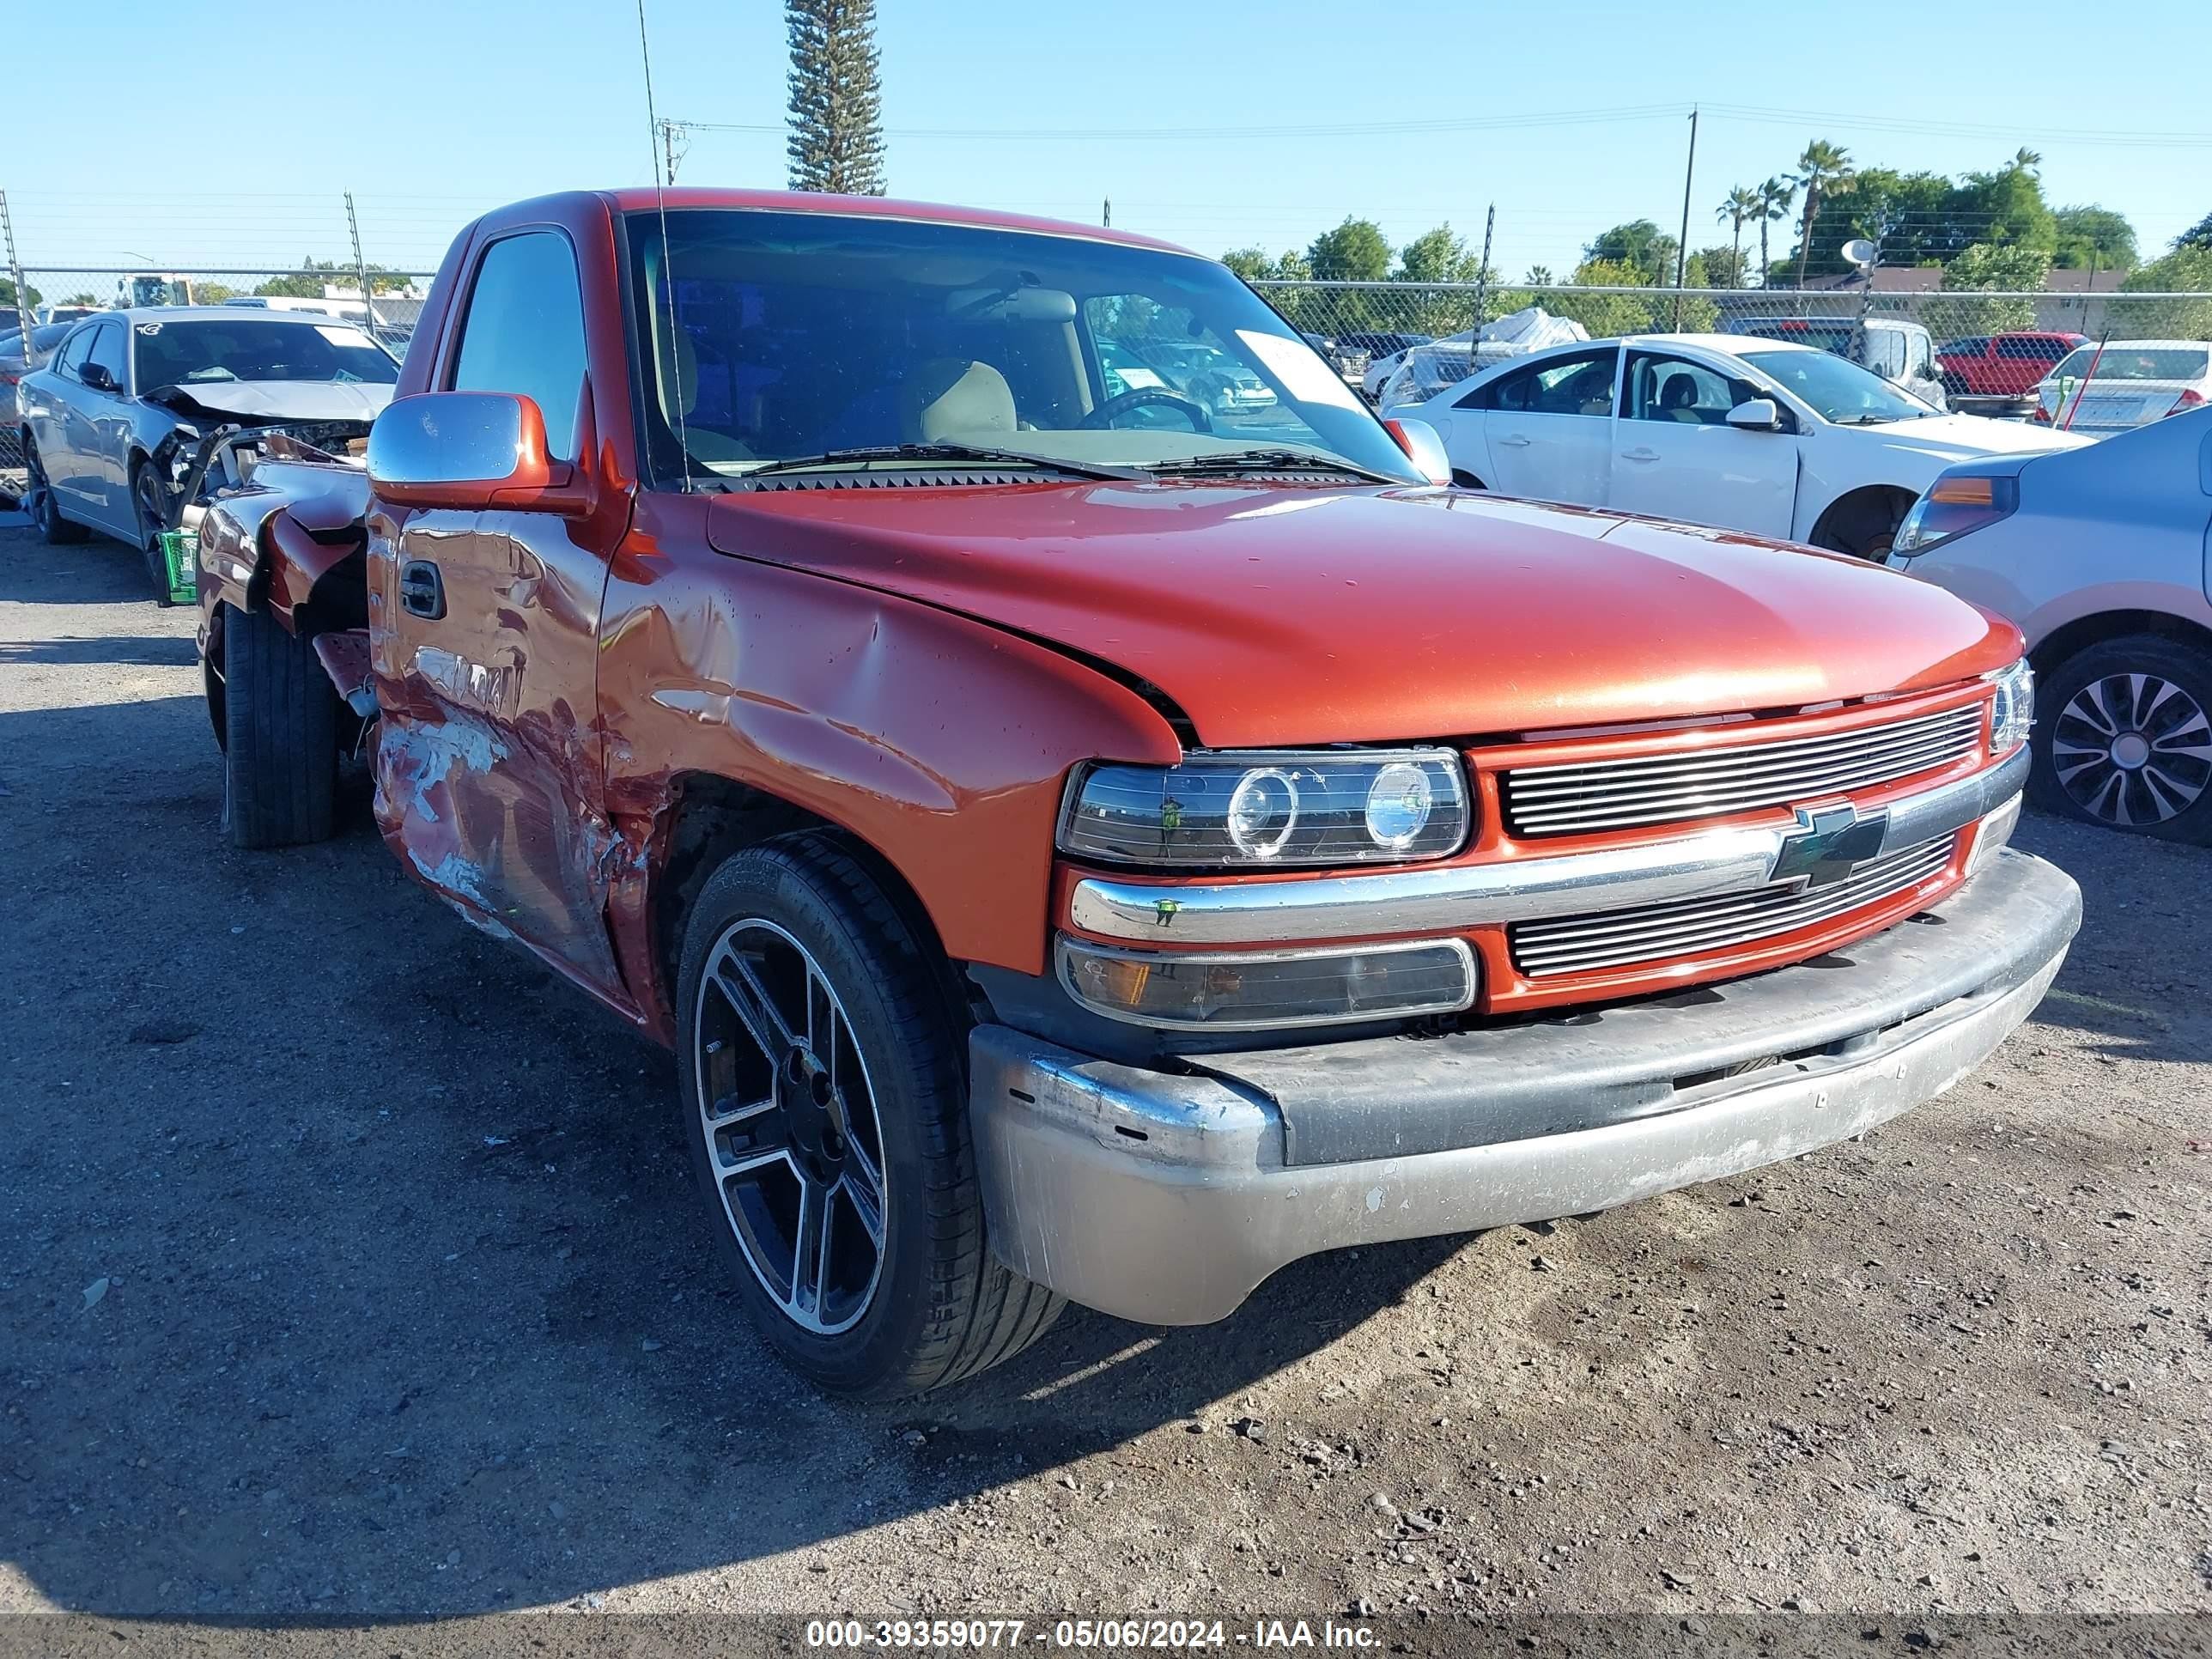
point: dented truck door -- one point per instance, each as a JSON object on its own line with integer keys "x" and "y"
{"x": 489, "y": 777}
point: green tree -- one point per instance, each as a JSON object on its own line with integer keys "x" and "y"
{"x": 2006, "y": 208}
{"x": 2197, "y": 235}
{"x": 1439, "y": 256}
{"x": 837, "y": 141}
{"x": 2093, "y": 237}
{"x": 307, "y": 283}
{"x": 1539, "y": 276}
{"x": 1906, "y": 214}
{"x": 1986, "y": 268}
{"x": 81, "y": 297}
{"x": 1823, "y": 169}
{"x": 31, "y": 297}
{"x": 2187, "y": 269}
{"x": 1355, "y": 251}
{"x": 1255, "y": 265}
{"x": 1775, "y": 196}
{"x": 1639, "y": 244}
{"x": 1723, "y": 267}
{"x": 1604, "y": 314}
{"x": 1741, "y": 207}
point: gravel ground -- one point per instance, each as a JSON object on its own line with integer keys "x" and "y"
{"x": 349, "y": 1267}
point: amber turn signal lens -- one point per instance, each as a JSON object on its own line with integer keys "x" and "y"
{"x": 1262, "y": 990}
{"x": 1965, "y": 492}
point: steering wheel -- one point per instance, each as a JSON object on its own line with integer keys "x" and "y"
{"x": 1137, "y": 397}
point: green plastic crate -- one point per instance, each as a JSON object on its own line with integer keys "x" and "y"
{"x": 180, "y": 560}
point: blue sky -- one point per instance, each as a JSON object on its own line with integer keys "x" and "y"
{"x": 459, "y": 105}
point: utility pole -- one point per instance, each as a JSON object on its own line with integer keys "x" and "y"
{"x": 1482, "y": 276}
{"x": 15, "y": 270}
{"x": 669, "y": 157}
{"x": 1682, "y": 247}
{"x": 361, "y": 268}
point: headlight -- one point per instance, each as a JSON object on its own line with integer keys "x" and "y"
{"x": 1951, "y": 508}
{"x": 2015, "y": 709}
{"x": 1331, "y": 806}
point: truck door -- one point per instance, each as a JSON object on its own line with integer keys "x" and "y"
{"x": 484, "y": 636}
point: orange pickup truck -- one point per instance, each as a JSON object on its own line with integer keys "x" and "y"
{"x": 1084, "y": 841}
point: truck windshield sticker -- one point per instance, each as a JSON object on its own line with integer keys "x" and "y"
{"x": 1302, "y": 372}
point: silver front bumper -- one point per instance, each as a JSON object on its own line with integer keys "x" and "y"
{"x": 1168, "y": 1198}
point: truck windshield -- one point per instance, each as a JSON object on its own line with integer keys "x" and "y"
{"x": 772, "y": 335}
{"x": 1838, "y": 390}
{"x": 253, "y": 348}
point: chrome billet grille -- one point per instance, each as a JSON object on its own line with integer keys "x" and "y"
{"x": 1661, "y": 932}
{"x": 1627, "y": 795}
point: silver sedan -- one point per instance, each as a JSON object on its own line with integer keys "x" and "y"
{"x": 111, "y": 424}
{"x": 2100, "y": 555}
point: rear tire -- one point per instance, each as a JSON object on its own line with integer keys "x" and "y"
{"x": 858, "y": 1089}
{"x": 280, "y": 747}
{"x": 45, "y": 511}
{"x": 2121, "y": 738}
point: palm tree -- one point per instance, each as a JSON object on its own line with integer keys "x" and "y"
{"x": 1823, "y": 168}
{"x": 2024, "y": 160}
{"x": 1741, "y": 207}
{"x": 1775, "y": 196}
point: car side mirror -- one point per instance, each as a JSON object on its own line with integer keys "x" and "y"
{"x": 96, "y": 376}
{"x": 470, "y": 450}
{"x": 1423, "y": 446}
{"x": 1756, "y": 415}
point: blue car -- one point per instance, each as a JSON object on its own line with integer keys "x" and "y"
{"x": 2100, "y": 555}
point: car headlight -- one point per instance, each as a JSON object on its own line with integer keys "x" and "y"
{"x": 2015, "y": 709}
{"x": 1951, "y": 508}
{"x": 1330, "y": 807}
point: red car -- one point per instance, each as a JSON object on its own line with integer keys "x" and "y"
{"x": 1083, "y": 844}
{"x": 2008, "y": 365}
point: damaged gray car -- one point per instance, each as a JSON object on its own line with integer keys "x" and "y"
{"x": 140, "y": 417}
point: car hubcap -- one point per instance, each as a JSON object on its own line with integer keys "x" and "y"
{"x": 790, "y": 1119}
{"x": 2132, "y": 749}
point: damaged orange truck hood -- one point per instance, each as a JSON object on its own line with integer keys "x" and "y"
{"x": 1276, "y": 616}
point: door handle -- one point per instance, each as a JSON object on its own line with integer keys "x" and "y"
{"x": 1639, "y": 454}
{"x": 421, "y": 589}
{"x": 1514, "y": 441}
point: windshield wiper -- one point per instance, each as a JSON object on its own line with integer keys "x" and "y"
{"x": 943, "y": 452}
{"x": 1267, "y": 460}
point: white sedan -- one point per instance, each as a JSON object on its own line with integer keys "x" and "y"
{"x": 1774, "y": 438}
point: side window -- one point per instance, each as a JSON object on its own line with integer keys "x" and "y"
{"x": 524, "y": 330}
{"x": 1675, "y": 389}
{"x": 2018, "y": 350}
{"x": 1973, "y": 349}
{"x": 71, "y": 358}
{"x": 110, "y": 350}
{"x": 1580, "y": 384}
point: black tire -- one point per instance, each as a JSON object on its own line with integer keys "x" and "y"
{"x": 46, "y": 511}
{"x": 940, "y": 1308}
{"x": 2159, "y": 690}
{"x": 148, "y": 512}
{"x": 280, "y": 736}
{"x": 1865, "y": 527}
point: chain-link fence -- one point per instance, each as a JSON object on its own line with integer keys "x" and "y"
{"x": 1981, "y": 347}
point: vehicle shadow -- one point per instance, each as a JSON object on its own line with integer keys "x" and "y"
{"x": 2142, "y": 917}
{"x": 355, "y": 1268}
{"x": 108, "y": 649}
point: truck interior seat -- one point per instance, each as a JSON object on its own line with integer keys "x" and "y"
{"x": 950, "y": 397}
{"x": 679, "y": 371}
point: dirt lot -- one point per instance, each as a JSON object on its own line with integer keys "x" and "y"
{"x": 349, "y": 1266}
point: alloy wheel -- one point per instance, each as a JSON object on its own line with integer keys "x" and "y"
{"x": 2132, "y": 750}
{"x": 791, "y": 1134}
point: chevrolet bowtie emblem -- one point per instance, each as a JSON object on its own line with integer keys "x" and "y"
{"x": 1831, "y": 840}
